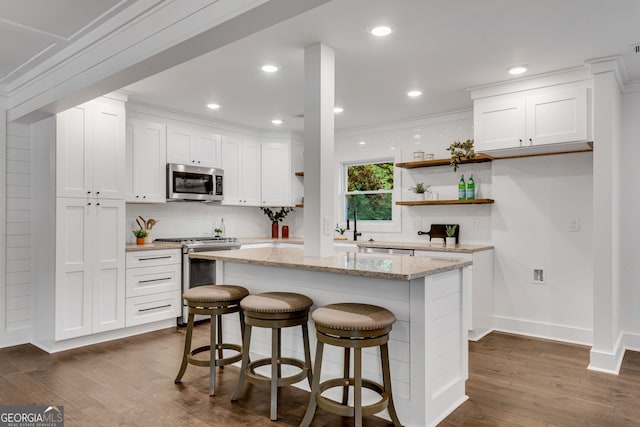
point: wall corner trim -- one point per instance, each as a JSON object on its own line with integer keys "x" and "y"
{"x": 608, "y": 362}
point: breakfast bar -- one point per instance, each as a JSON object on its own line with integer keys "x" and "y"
{"x": 428, "y": 343}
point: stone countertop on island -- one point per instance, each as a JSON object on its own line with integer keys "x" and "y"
{"x": 256, "y": 240}
{"x": 394, "y": 267}
{"x": 424, "y": 246}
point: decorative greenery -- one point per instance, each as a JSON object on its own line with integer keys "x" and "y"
{"x": 451, "y": 230}
{"x": 218, "y": 231}
{"x": 140, "y": 233}
{"x": 459, "y": 150}
{"x": 277, "y": 216}
{"x": 420, "y": 188}
{"x": 340, "y": 230}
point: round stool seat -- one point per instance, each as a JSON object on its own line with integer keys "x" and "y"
{"x": 276, "y": 302}
{"x": 215, "y": 293}
{"x": 353, "y": 317}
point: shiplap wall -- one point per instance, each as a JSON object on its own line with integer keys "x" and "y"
{"x": 18, "y": 289}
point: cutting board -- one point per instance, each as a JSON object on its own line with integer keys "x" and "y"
{"x": 440, "y": 231}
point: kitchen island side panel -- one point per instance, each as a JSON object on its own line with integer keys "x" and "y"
{"x": 412, "y": 356}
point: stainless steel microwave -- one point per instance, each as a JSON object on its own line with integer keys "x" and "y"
{"x": 197, "y": 183}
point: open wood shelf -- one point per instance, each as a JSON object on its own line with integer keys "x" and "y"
{"x": 299, "y": 174}
{"x": 446, "y": 202}
{"x": 300, "y": 205}
{"x": 479, "y": 158}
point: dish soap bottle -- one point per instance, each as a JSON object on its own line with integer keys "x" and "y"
{"x": 462, "y": 189}
{"x": 471, "y": 188}
{"x": 222, "y": 228}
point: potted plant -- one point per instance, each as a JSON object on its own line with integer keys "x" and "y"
{"x": 217, "y": 232}
{"x": 450, "y": 230}
{"x": 340, "y": 230}
{"x": 276, "y": 217}
{"x": 420, "y": 189}
{"x": 140, "y": 234}
{"x": 460, "y": 150}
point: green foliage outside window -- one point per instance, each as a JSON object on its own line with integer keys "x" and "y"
{"x": 369, "y": 191}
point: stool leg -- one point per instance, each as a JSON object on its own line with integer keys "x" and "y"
{"x": 279, "y": 354}
{"x": 315, "y": 387}
{"x": 345, "y": 375}
{"x": 187, "y": 349}
{"x": 212, "y": 357}
{"x": 245, "y": 360}
{"x": 357, "y": 387}
{"x": 275, "y": 348}
{"x": 220, "y": 341}
{"x": 386, "y": 375}
{"x": 307, "y": 352}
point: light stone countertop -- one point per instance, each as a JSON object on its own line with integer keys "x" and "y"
{"x": 253, "y": 240}
{"x": 153, "y": 246}
{"x": 394, "y": 267}
{"x": 425, "y": 246}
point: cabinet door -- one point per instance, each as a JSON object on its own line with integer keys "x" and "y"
{"x": 276, "y": 174}
{"x": 179, "y": 145}
{"x": 148, "y": 162}
{"x": 250, "y": 182}
{"x": 73, "y": 178}
{"x": 499, "y": 124}
{"x": 557, "y": 116}
{"x": 205, "y": 149}
{"x": 73, "y": 290}
{"x": 108, "y": 265}
{"x": 231, "y": 149}
{"x": 106, "y": 126}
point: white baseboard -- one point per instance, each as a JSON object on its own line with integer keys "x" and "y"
{"x": 543, "y": 330}
{"x": 15, "y": 337}
{"x": 631, "y": 342}
{"x": 608, "y": 362}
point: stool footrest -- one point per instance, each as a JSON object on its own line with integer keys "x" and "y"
{"x": 346, "y": 410}
{"x": 256, "y": 378}
{"x": 218, "y": 362}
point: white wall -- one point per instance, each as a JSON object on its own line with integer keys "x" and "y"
{"x": 17, "y": 310}
{"x": 630, "y": 292}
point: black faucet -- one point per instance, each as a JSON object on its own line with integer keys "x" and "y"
{"x": 355, "y": 225}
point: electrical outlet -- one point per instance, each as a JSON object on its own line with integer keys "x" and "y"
{"x": 327, "y": 225}
{"x": 538, "y": 276}
{"x": 475, "y": 223}
{"x": 574, "y": 225}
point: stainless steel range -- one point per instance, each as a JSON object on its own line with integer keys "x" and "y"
{"x": 197, "y": 272}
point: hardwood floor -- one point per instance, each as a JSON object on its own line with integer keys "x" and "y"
{"x": 513, "y": 381}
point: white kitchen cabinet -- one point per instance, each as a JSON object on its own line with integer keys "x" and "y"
{"x": 241, "y": 160}
{"x": 89, "y": 266}
{"x": 146, "y": 159}
{"x": 478, "y": 286}
{"x": 278, "y": 173}
{"x": 193, "y": 146}
{"x": 154, "y": 284}
{"x": 532, "y": 122}
{"x": 90, "y": 150}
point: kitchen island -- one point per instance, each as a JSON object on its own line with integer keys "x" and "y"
{"x": 428, "y": 344}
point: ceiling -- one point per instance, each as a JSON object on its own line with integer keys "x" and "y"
{"x": 440, "y": 47}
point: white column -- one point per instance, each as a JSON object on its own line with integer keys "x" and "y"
{"x": 607, "y": 352}
{"x": 319, "y": 189}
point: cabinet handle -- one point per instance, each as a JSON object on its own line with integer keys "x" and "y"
{"x": 97, "y": 192}
{"x": 144, "y": 197}
{"x": 193, "y": 161}
{"x": 89, "y": 204}
{"x": 154, "y": 280}
{"x": 137, "y": 197}
{"x": 141, "y": 310}
{"x": 157, "y": 257}
{"x": 520, "y": 143}
{"x": 88, "y": 192}
{"x": 530, "y": 141}
{"x": 97, "y": 204}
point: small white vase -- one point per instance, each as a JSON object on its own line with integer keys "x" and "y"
{"x": 450, "y": 241}
{"x": 419, "y": 196}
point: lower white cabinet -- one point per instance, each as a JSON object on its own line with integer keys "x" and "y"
{"x": 153, "y": 286}
{"x": 90, "y": 263}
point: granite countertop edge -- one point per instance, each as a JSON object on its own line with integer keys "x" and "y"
{"x": 431, "y": 247}
{"x": 152, "y": 246}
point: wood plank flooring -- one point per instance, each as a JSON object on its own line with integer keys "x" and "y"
{"x": 513, "y": 381}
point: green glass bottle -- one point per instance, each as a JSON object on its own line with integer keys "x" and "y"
{"x": 471, "y": 188}
{"x": 462, "y": 189}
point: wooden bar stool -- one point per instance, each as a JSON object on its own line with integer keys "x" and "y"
{"x": 274, "y": 310}
{"x": 214, "y": 301}
{"x": 356, "y": 326}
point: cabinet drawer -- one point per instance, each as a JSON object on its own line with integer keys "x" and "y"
{"x": 153, "y": 280}
{"x": 152, "y": 308}
{"x": 151, "y": 258}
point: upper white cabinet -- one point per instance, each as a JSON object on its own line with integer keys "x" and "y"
{"x": 241, "y": 165}
{"x": 193, "y": 146}
{"x": 533, "y": 121}
{"x": 278, "y": 173}
{"x": 90, "y": 150}
{"x": 146, "y": 150}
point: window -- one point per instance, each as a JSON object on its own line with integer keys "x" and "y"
{"x": 368, "y": 190}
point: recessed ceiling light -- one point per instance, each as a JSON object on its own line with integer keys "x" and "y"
{"x": 362, "y": 142}
{"x": 517, "y": 70}
{"x": 276, "y": 121}
{"x": 338, "y": 110}
{"x": 213, "y": 106}
{"x": 414, "y": 93}
{"x": 381, "y": 30}
{"x": 269, "y": 68}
